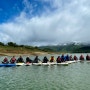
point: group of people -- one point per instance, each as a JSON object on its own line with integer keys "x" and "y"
{"x": 20, "y": 60}
{"x": 59, "y": 59}
{"x": 12, "y": 60}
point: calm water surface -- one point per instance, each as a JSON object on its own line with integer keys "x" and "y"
{"x": 75, "y": 76}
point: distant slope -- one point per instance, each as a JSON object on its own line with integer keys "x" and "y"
{"x": 70, "y": 48}
{"x": 11, "y": 47}
{"x": 83, "y": 49}
{"x": 18, "y": 49}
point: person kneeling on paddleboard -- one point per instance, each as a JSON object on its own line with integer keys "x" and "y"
{"x": 52, "y": 59}
{"x": 5, "y": 61}
{"x": 67, "y": 58}
{"x": 36, "y": 60}
{"x": 88, "y": 57}
{"x": 62, "y": 58}
{"x": 81, "y": 57}
{"x": 45, "y": 60}
{"x": 13, "y": 59}
{"x": 58, "y": 59}
{"x": 71, "y": 58}
{"x": 28, "y": 60}
{"x": 75, "y": 57}
{"x": 20, "y": 60}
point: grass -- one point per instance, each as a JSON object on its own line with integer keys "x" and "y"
{"x": 18, "y": 50}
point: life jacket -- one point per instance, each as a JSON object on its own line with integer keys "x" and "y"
{"x": 45, "y": 60}
{"x": 20, "y": 60}
{"x": 62, "y": 58}
{"x": 81, "y": 57}
{"x": 87, "y": 57}
{"x": 52, "y": 59}
{"x": 28, "y": 60}
{"x": 58, "y": 60}
{"x": 75, "y": 58}
{"x": 71, "y": 58}
{"x": 67, "y": 58}
{"x": 13, "y": 59}
{"x": 5, "y": 60}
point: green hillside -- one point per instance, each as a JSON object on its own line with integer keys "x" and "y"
{"x": 11, "y": 47}
{"x": 70, "y": 48}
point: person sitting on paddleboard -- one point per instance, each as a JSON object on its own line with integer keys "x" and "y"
{"x": 58, "y": 59}
{"x": 13, "y": 59}
{"x": 71, "y": 58}
{"x": 81, "y": 57}
{"x": 28, "y": 60}
{"x": 52, "y": 59}
{"x": 62, "y": 58}
{"x": 36, "y": 60}
{"x": 87, "y": 57}
{"x": 5, "y": 61}
{"x": 20, "y": 60}
{"x": 67, "y": 58}
{"x": 75, "y": 57}
{"x": 45, "y": 60}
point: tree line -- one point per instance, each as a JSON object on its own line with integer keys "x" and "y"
{"x": 12, "y": 44}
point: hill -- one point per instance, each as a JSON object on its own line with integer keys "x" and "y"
{"x": 13, "y": 49}
{"x": 68, "y": 48}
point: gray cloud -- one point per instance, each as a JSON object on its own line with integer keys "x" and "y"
{"x": 69, "y": 22}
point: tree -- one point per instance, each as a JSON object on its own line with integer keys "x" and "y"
{"x": 2, "y": 44}
{"x": 12, "y": 44}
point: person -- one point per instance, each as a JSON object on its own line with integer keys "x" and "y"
{"x": 71, "y": 58}
{"x": 75, "y": 57}
{"x": 28, "y": 60}
{"x": 58, "y": 59}
{"x": 81, "y": 57}
{"x": 45, "y": 60}
{"x": 62, "y": 58}
{"x": 52, "y": 59}
{"x": 5, "y": 61}
{"x": 20, "y": 60}
{"x": 87, "y": 57}
{"x": 13, "y": 59}
{"x": 67, "y": 58}
{"x": 36, "y": 60}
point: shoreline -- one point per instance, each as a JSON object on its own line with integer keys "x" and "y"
{"x": 37, "y": 53}
{"x": 24, "y": 54}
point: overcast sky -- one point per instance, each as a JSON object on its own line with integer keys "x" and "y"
{"x": 44, "y": 22}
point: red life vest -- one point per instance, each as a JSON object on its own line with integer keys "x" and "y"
{"x": 52, "y": 59}
{"x": 13, "y": 59}
{"x": 5, "y": 59}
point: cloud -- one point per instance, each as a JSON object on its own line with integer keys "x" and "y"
{"x": 70, "y": 21}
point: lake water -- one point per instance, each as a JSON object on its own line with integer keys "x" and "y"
{"x": 75, "y": 76}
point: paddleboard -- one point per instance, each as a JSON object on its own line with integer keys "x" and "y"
{"x": 63, "y": 63}
{"x": 7, "y": 65}
{"x": 37, "y": 64}
{"x": 88, "y": 61}
{"x": 20, "y": 64}
{"x": 28, "y": 64}
{"x": 46, "y": 64}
